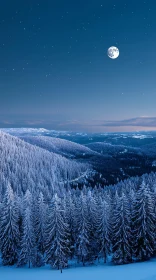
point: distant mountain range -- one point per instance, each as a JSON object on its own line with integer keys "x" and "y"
{"x": 113, "y": 157}
{"x": 129, "y": 139}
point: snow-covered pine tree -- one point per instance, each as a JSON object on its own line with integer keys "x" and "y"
{"x": 28, "y": 252}
{"x": 9, "y": 228}
{"x": 40, "y": 220}
{"x": 103, "y": 228}
{"x": 69, "y": 218}
{"x": 144, "y": 223}
{"x": 93, "y": 215}
{"x": 121, "y": 221}
{"x": 57, "y": 235}
{"x": 83, "y": 245}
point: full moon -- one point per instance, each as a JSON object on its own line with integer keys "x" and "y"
{"x": 113, "y": 52}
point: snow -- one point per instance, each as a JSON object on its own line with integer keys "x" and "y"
{"x": 141, "y": 136}
{"x": 123, "y": 152}
{"x": 60, "y": 146}
{"x": 154, "y": 163}
{"x": 137, "y": 271}
{"x": 35, "y": 165}
{"x": 24, "y": 130}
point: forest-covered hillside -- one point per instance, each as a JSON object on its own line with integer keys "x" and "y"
{"x": 45, "y": 219}
{"x": 29, "y": 167}
{"x": 116, "y": 222}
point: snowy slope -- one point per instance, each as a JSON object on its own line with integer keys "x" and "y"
{"x": 100, "y": 162}
{"x": 26, "y": 166}
{"x": 25, "y": 130}
{"x": 137, "y": 271}
{"x": 59, "y": 146}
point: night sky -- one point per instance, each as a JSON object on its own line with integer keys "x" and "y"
{"x": 55, "y": 72}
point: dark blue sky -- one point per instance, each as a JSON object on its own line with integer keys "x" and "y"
{"x": 54, "y": 68}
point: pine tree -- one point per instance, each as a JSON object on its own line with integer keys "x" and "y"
{"x": 93, "y": 216}
{"x": 9, "y": 228}
{"x": 69, "y": 217}
{"x": 28, "y": 253}
{"x": 57, "y": 243}
{"x": 121, "y": 230}
{"x": 40, "y": 220}
{"x": 103, "y": 228}
{"x": 144, "y": 223}
{"x": 83, "y": 245}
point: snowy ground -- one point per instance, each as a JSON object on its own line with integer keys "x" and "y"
{"x": 139, "y": 271}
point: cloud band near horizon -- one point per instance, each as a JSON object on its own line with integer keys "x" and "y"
{"x": 132, "y": 124}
